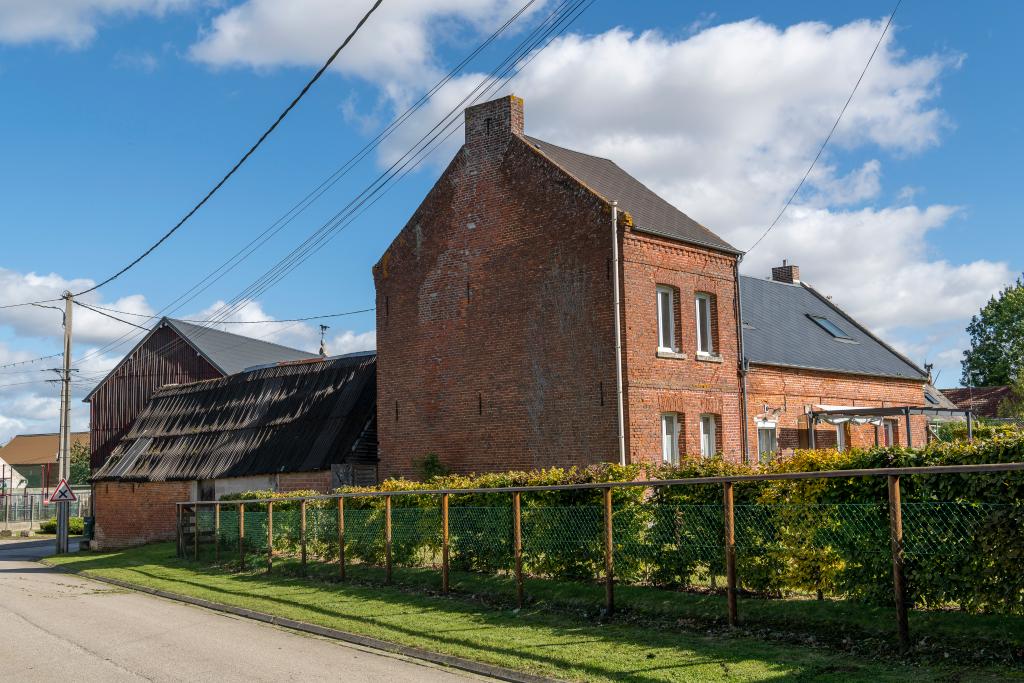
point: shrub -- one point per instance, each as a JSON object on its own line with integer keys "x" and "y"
{"x": 76, "y": 526}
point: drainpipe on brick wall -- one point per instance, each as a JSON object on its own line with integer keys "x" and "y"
{"x": 617, "y": 310}
{"x": 743, "y": 363}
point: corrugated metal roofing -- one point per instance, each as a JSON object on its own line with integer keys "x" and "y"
{"x": 650, "y": 212}
{"x": 778, "y": 330}
{"x": 297, "y": 417}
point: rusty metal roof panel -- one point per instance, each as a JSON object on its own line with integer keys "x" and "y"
{"x": 293, "y": 417}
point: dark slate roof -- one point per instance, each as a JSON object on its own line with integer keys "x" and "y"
{"x": 231, "y": 353}
{"x": 982, "y": 401}
{"x": 778, "y": 331}
{"x": 292, "y": 417}
{"x": 650, "y": 212}
{"x": 937, "y": 399}
{"x": 228, "y": 353}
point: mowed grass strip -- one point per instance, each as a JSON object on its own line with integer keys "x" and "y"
{"x": 542, "y": 641}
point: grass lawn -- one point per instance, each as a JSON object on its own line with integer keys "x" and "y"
{"x": 555, "y": 642}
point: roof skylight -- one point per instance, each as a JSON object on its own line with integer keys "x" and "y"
{"x": 830, "y": 327}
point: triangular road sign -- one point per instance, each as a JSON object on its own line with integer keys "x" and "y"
{"x": 63, "y": 493}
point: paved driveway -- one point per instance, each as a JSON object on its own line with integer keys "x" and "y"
{"x": 55, "y": 626}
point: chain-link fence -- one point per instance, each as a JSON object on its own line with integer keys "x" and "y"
{"x": 880, "y": 541}
{"x": 33, "y": 508}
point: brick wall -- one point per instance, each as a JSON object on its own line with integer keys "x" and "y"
{"x": 304, "y": 481}
{"x": 494, "y": 329}
{"x": 133, "y": 514}
{"x": 789, "y": 392}
{"x": 686, "y": 384}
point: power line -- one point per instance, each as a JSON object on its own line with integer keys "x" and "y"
{"x": 834, "y": 126}
{"x": 108, "y": 315}
{"x": 30, "y": 303}
{"x": 245, "y": 157}
{"x": 237, "y": 322}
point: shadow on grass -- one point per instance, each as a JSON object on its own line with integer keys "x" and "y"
{"x": 648, "y": 630}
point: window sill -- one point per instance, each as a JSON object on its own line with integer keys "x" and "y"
{"x": 675, "y": 355}
{"x": 709, "y": 358}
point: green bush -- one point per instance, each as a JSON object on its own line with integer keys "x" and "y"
{"x": 76, "y": 526}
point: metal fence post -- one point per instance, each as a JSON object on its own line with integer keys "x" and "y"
{"x": 270, "y": 536}
{"x": 444, "y": 543}
{"x": 387, "y": 539}
{"x": 216, "y": 532}
{"x": 302, "y": 533}
{"x": 609, "y": 570}
{"x": 341, "y": 538}
{"x": 195, "y": 532}
{"x": 241, "y": 535}
{"x": 896, "y": 539}
{"x": 517, "y": 541}
{"x": 730, "y": 551}
{"x": 181, "y": 541}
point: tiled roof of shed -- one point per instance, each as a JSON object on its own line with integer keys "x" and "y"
{"x": 778, "y": 330}
{"x": 650, "y": 212}
{"x": 293, "y": 417}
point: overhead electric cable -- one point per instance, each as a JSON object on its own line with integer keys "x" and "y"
{"x": 834, "y": 126}
{"x": 245, "y": 157}
{"x": 108, "y": 315}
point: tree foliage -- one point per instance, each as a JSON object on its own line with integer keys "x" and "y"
{"x": 996, "y": 356}
{"x": 80, "y": 470}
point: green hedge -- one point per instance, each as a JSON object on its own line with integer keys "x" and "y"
{"x": 76, "y": 526}
{"x": 963, "y": 533}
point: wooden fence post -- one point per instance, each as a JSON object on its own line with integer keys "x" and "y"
{"x": 270, "y": 536}
{"x": 241, "y": 536}
{"x": 444, "y": 543}
{"x": 609, "y": 549}
{"x": 302, "y": 533}
{"x": 730, "y": 551}
{"x": 341, "y": 538}
{"x": 216, "y": 532}
{"x": 517, "y": 540}
{"x": 387, "y": 539}
{"x": 896, "y": 539}
{"x": 195, "y": 532}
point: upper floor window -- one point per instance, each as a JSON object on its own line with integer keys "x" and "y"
{"x": 666, "y": 318}
{"x": 708, "y": 426}
{"x": 670, "y": 438}
{"x": 705, "y": 340}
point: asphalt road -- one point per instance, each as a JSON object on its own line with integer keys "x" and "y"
{"x": 56, "y": 627}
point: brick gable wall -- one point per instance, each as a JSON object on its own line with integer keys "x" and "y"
{"x": 129, "y": 514}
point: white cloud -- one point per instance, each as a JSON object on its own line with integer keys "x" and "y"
{"x": 350, "y": 342}
{"x": 70, "y": 22}
{"x": 396, "y": 48}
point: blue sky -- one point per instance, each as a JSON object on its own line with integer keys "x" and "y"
{"x": 119, "y": 114}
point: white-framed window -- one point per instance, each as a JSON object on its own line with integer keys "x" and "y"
{"x": 670, "y": 438}
{"x": 666, "y": 319}
{"x": 707, "y": 435}
{"x": 767, "y": 441}
{"x": 705, "y": 343}
{"x": 841, "y": 437}
{"x": 889, "y": 432}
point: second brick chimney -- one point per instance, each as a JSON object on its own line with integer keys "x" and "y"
{"x": 786, "y": 273}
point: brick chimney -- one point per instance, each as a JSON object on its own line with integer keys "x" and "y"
{"x": 786, "y": 273}
{"x": 492, "y": 123}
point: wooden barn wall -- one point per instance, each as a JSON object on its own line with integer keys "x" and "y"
{"x": 164, "y": 359}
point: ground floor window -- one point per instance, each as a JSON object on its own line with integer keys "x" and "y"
{"x": 708, "y": 425}
{"x": 841, "y": 437}
{"x": 767, "y": 441}
{"x": 889, "y": 432}
{"x": 670, "y": 438}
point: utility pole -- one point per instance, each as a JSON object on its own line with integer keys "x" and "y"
{"x": 64, "y": 455}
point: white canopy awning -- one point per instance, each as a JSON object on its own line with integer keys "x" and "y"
{"x": 840, "y": 419}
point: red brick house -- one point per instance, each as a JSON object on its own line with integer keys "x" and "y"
{"x": 495, "y": 315}
{"x": 496, "y": 335}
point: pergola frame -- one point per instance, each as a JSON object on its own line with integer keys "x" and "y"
{"x": 893, "y": 411}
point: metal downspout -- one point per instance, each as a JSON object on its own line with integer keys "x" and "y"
{"x": 617, "y": 311}
{"x": 743, "y": 363}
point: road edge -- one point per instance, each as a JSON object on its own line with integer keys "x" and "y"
{"x": 470, "y": 666}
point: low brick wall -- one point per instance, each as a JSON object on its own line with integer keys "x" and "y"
{"x": 129, "y": 514}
